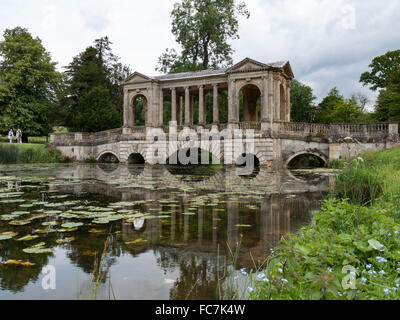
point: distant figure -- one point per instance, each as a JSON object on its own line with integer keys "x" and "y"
{"x": 19, "y": 136}
{"x": 11, "y": 135}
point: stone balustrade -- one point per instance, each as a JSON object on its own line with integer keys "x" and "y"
{"x": 361, "y": 131}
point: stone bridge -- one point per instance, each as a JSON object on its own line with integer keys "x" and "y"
{"x": 257, "y": 97}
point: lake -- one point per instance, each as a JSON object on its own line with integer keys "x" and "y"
{"x": 143, "y": 232}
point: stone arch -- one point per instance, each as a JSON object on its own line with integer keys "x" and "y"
{"x": 248, "y": 156}
{"x": 136, "y": 149}
{"x": 312, "y": 153}
{"x": 252, "y": 100}
{"x": 173, "y": 155}
{"x": 133, "y": 105}
{"x": 105, "y": 153}
{"x": 136, "y": 158}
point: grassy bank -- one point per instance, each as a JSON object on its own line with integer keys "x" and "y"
{"x": 362, "y": 232}
{"x": 29, "y": 153}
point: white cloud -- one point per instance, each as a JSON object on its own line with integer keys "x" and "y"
{"x": 329, "y": 43}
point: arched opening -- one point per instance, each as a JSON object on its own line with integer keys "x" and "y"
{"x": 306, "y": 161}
{"x": 139, "y": 111}
{"x": 250, "y": 103}
{"x": 136, "y": 158}
{"x": 192, "y": 156}
{"x": 108, "y": 157}
{"x": 283, "y": 103}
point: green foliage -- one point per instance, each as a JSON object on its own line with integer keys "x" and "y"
{"x": 336, "y": 109}
{"x": 202, "y": 28}
{"x": 17, "y": 154}
{"x": 382, "y": 69}
{"x": 29, "y": 83}
{"x": 96, "y": 111}
{"x": 302, "y": 103}
{"x": 388, "y": 104}
{"x": 96, "y": 71}
{"x": 309, "y": 265}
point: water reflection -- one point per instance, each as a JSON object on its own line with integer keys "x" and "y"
{"x": 204, "y": 212}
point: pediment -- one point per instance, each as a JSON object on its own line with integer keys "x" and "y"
{"x": 137, "y": 77}
{"x": 247, "y": 65}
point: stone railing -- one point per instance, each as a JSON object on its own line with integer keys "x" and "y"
{"x": 340, "y": 130}
{"x": 304, "y": 128}
{"x": 250, "y": 125}
{"x": 72, "y": 138}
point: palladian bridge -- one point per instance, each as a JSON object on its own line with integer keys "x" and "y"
{"x": 258, "y": 97}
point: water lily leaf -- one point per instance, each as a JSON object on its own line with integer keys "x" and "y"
{"x": 70, "y": 225}
{"x": 38, "y": 249}
{"x": 18, "y": 263}
{"x": 27, "y": 238}
{"x": 375, "y": 244}
{"x": 50, "y": 223}
{"x": 243, "y": 226}
{"x": 66, "y": 240}
{"x": 20, "y": 222}
{"x": 7, "y": 235}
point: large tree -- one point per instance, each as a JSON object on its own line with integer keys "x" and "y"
{"x": 302, "y": 103}
{"x": 334, "y": 108}
{"x": 93, "y": 97}
{"x": 382, "y": 68}
{"x": 29, "y": 83}
{"x": 388, "y": 104}
{"x": 203, "y": 29}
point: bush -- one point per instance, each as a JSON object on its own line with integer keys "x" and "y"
{"x": 309, "y": 265}
{"x": 15, "y": 154}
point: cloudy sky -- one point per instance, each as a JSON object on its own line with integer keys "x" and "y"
{"x": 328, "y": 42}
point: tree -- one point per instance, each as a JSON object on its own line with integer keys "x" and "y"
{"x": 96, "y": 70}
{"x": 382, "y": 69}
{"x": 388, "y": 103}
{"x": 334, "y": 108}
{"x": 29, "y": 83}
{"x": 202, "y": 28}
{"x": 302, "y": 103}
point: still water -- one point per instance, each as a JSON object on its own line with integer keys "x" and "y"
{"x": 163, "y": 232}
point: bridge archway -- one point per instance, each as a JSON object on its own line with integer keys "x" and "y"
{"x": 108, "y": 157}
{"x": 139, "y": 106}
{"x": 249, "y": 103}
{"x": 192, "y": 156}
{"x": 136, "y": 158}
{"x": 307, "y": 159}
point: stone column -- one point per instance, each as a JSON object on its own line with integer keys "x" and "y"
{"x": 265, "y": 110}
{"x": 173, "y": 105}
{"x": 192, "y": 109}
{"x": 127, "y": 122}
{"x": 161, "y": 110}
{"x": 288, "y": 107}
{"x": 271, "y": 96}
{"x": 187, "y": 106}
{"x": 216, "y": 105}
{"x": 277, "y": 98}
{"x": 202, "y": 109}
{"x": 180, "y": 112}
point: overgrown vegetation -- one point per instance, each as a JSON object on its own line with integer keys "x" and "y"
{"x": 29, "y": 153}
{"x": 358, "y": 227}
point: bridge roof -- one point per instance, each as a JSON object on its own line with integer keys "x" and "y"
{"x": 246, "y": 65}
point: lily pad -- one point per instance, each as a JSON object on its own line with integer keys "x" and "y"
{"x": 27, "y": 238}
{"x": 18, "y": 263}
{"x": 70, "y": 225}
{"x": 38, "y": 249}
{"x": 7, "y": 235}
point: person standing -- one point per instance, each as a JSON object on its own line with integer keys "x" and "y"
{"x": 19, "y": 136}
{"x": 11, "y": 135}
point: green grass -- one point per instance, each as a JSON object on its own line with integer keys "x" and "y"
{"x": 358, "y": 227}
{"x": 29, "y": 153}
